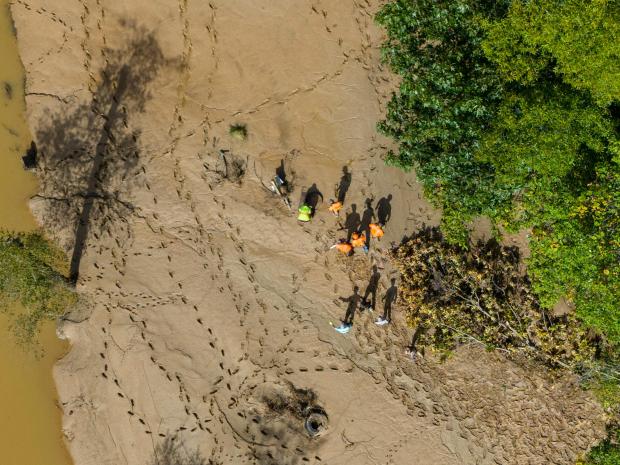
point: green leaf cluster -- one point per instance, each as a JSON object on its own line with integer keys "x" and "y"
{"x": 605, "y": 453}
{"x": 32, "y": 273}
{"x": 578, "y": 256}
{"x": 576, "y": 40}
{"x": 448, "y": 96}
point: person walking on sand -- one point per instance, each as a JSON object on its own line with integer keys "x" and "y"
{"x": 371, "y": 290}
{"x": 343, "y": 247}
{"x": 353, "y": 301}
{"x": 308, "y": 202}
{"x": 389, "y": 299}
{"x": 305, "y": 213}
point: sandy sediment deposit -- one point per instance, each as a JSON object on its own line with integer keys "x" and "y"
{"x": 207, "y": 306}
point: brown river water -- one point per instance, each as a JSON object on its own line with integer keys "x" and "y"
{"x": 30, "y": 427}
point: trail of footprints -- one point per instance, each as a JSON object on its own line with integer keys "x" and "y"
{"x": 226, "y": 384}
{"x": 190, "y": 407}
{"x": 53, "y": 16}
{"x": 243, "y": 306}
{"x": 224, "y": 381}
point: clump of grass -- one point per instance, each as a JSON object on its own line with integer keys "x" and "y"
{"x": 238, "y": 131}
{"x": 607, "y": 391}
{"x": 172, "y": 451}
{"x": 32, "y": 273}
{"x": 606, "y": 453}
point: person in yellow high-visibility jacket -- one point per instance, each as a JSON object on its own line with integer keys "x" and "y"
{"x": 305, "y": 213}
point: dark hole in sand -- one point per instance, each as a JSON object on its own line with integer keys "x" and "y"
{"x": 316, "y": 421}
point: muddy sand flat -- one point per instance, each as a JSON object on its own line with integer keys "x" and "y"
{"x": 207, "y": 304}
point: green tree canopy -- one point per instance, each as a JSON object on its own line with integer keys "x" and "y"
{"x": 544, "y": 144}
{"x": 447, "y": 98}
{"x": 32, "y": 273}
{"x": 579, "y": 40}
{"x": 579, "y": 256}
{"x": 509, "y": 110}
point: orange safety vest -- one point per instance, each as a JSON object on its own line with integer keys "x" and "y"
{"x": 344, "y": 247}
{"x": 376, "y": 231}
{"x": 358, "y": 240}
{"x": 335, "y": 207}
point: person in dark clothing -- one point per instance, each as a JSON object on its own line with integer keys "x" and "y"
{"x": 312, "y": 197}
{"x": 367, "y": 218}
{"x": 371, "y": 289}
{"x": 389, "y": 299}
{"x": 352, "y": 222}
{"x": 384, "y": 209}
{"x": 354, "y": 301}
{"x": 281, "y": 172}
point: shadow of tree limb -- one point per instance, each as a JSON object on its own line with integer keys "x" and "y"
{"x": 89, "y": 152}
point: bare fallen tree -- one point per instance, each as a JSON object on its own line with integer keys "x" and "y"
{"x": 481, "y": 295}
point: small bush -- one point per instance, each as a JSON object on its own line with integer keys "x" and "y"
{"x": 238, "y": 131}
{"x": 171, "y": 451}
{"x": 32, "y": 273}
{"x": 607, "y": 391}
{"x": 606, "y": 453}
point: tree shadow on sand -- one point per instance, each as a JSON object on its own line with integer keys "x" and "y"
{"x": 88, "y": 151}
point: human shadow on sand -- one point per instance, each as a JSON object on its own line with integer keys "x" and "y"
{"x": 352, "y": 222}
{"x": 371, "y": 289}
{"x": 353, "y": 304}
{"x": 389, "y": 299}
{"x": 384, "y": 209}
{"x": 343, "y": 186}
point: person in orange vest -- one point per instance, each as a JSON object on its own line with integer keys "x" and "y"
{"x": 359, "y": 240}
{"x": 343, "y": 247}
{"x": 335, "y": 208}
{"x": 376, "y": 231}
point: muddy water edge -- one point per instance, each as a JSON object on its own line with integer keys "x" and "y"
{"x": 30, "y": 426}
